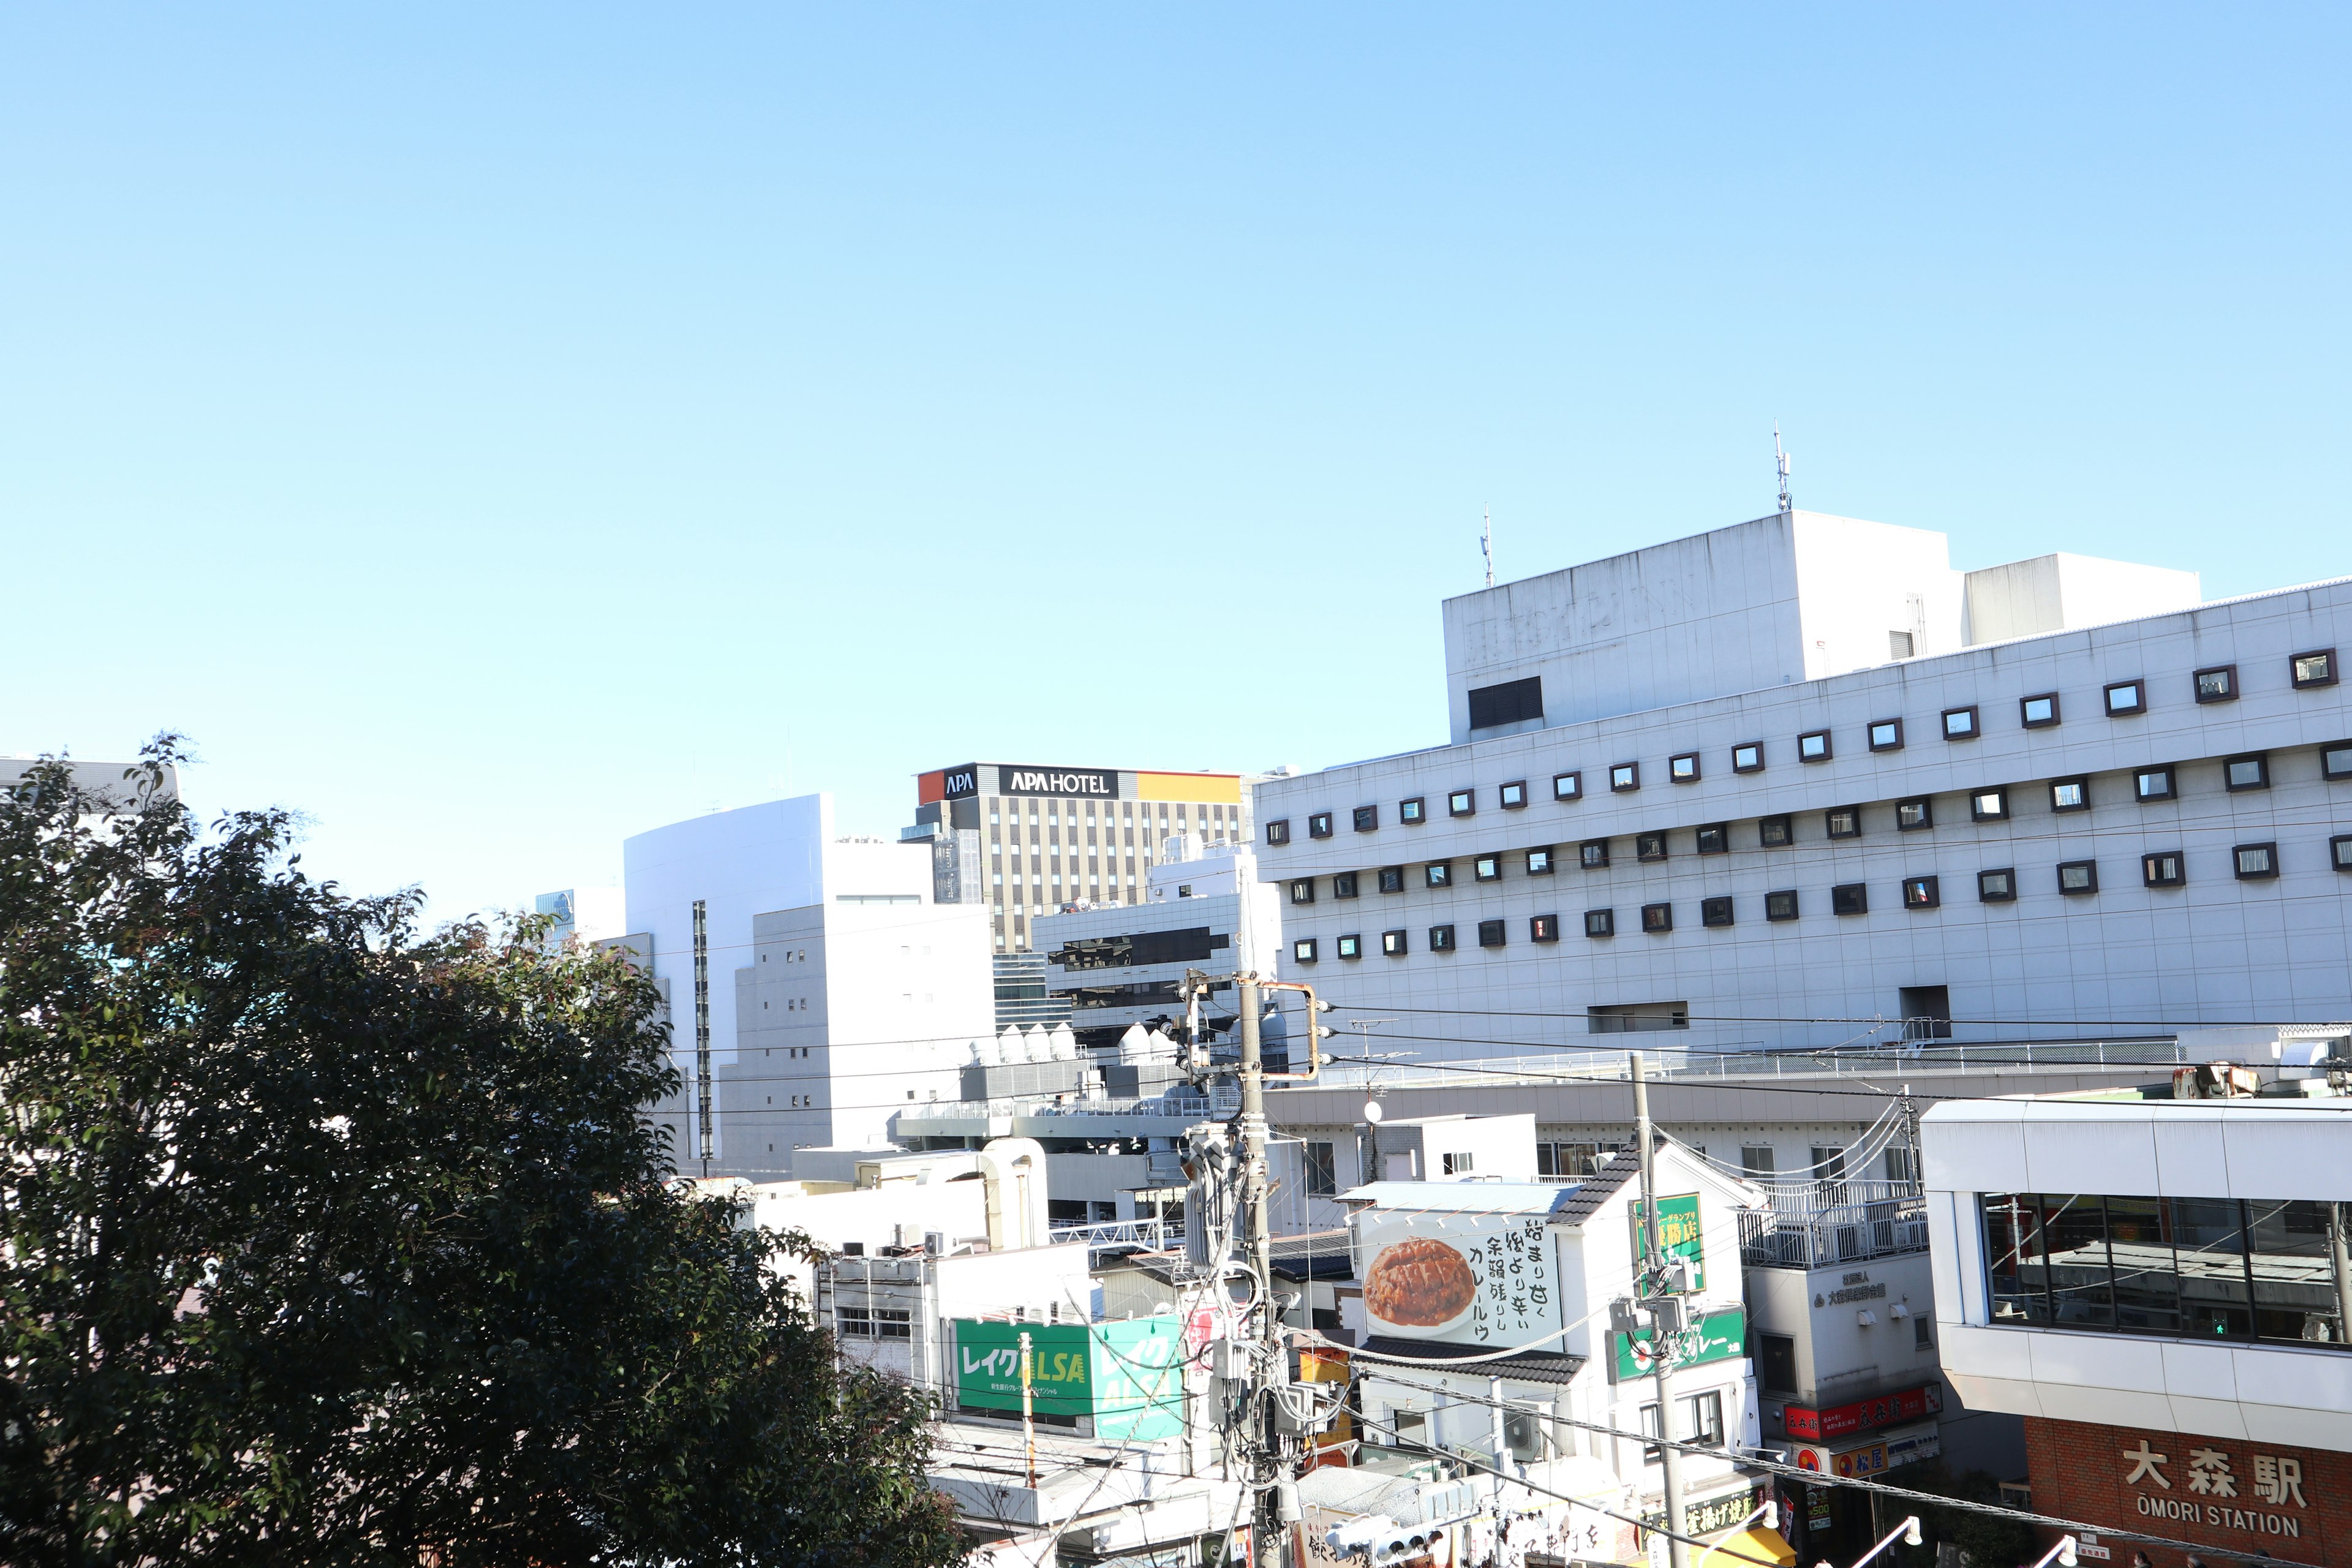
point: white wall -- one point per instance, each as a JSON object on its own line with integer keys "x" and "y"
{"x": 2054, "y": 592}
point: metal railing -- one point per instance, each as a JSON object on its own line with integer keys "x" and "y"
{"x": 1126, "y": 1235}
{"x": 1182, "y": 1103}
{"x": 1588, "y": 1066}
{"x": 1825, "y": 1235}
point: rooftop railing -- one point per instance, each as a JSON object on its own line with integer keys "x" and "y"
{"x": 1586, "y": 1065}
{"x": 1835, "y": 1222}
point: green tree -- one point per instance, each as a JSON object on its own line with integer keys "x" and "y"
{"x": 327, "y": 1241}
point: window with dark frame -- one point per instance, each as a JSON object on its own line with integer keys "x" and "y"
{"x": 2071, "y": 794}
{"x": 2153, "y": 783}
{"x": 1850, "y": 898}
{"x": 1776, "y": 832}
{"x": 1885, "y": 734}
{"x": 1543, "y": 928}
{"x": 2039, "y": 711}
{"x": 1997, "y": 886}
{"x": 1814, "y": 746}
{"x": 1603, "y": 922}
{"x": 2076, "y": 878}
{"x": 2335, "y": 760}
{"x": 1302, "y": 951}
{"x": 1490, "y": 933}
{"x": 1487, "y": 869}
{"x": 1921, "y": 894}
{"x": 2217, "y": 684}
{"x": 1592, "y": 853}
{"x": 1715, "y": 838}
{"x": 1715, "y": 911}
{"x": 1988, "y": 806}
{"x": 1279, "y": 831}
{"x": 2163, "y": 869}
{"x": 1513, "y": 795}
{"x": 2252, "y": 770}
{"x": 1413, "y": 812}
{"x": 1539, "y": 861}
{"x": 1657, "y": 918}
{"x": 1747, "y": 757}
{"x": 1437, "y": 874}
{"x": 1350, "y": 945}
{"x": 1343, "y": 884}
{"x": 1368, "y": 819}
{"x": 1392, "y": 879}
{"x": 1649, "y": 846}
{"x": 1624, "y": 777}
{"x": 1393, "y": 944}
{"x": 1319, "y": 825}
{"x": 1568, "y": 786}
{"x": 1781, "y": 905}
{"x": 2340, "y": 851}
{"x": 1911, "y": 815}
{"x": 1684, "y": 768}
{"x": 2316, "y": 668}
{"x": 2126, "y": 698}
{"x": 1843, "y": 821}
{"x": 1441, "y": 938}
{"x": 2255, "y": 862}
{"x": 1960, "y": 723}
{"x": 1462, "y": 803}
{"x": 1302, "y": 891}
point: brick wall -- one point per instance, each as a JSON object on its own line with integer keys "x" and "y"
{"x": 2223, "y": 1491}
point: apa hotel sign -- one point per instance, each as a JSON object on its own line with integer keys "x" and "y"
{"x": 1102, "y": 783}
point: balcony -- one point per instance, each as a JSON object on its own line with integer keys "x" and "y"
{"x": 1824, "y": 1224}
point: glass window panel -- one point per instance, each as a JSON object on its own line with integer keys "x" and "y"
{"x": 2082, "y": 1291}
{"x": 2015, "y": 1259}
{"x": 2294, "y": 1284}
{"x": 2210, "y": 1256}
{"x": 2148, "y": 1288}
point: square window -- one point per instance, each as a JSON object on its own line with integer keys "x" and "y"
{"x": 1657, "y": 917}
{"x": 1625, "y": 777}
{"x": 2249, "y": 772}
{"x": 1988, "y": 806}
{"x": 1910, "y": 815}
{"x": 2070, "y": 795}
{"x": 2126, "y": 697}
{"x": 1393, "y": 944}
{"x": 1843, "y": 822}
{"x": 1437, "y": 874}
{"x": 1568, "y": 786}
{"x": 1279, "y": 831}
{"x": 1413, "y": 812}
{"x": 1814, "y": 746}
{"x": 1781, "y": 905}
{"x": 1303, "y": 950}
{"x": 2335, "y": 760}
{"x": 2314, "y": 669}
{"x": 1462, "y": 803}
{"x": 2255, "y": 862}
{"x": 1392, "y": 879}
{"x": 1886, "y": 734}
{"x": 2218, "y": 684}
{"x": 2162, "y": 869}
{"x": 1368, "y": 819}
{"x": 1592, "y": 853}
{"x": 1603, "y": 922}
{"x": 2078, "y": 877}
{"x": 1848, "y": 899}
{"x": 1716, "y": 912}
{"x": 1715, "y": 838}
{"x": 1539, "y": 862}
{"x": 1490, "y": 933}
{"x": 2040, "y": 712}
{"x": 1649, "y": 847}
{"x": 1543, "y": 928}
{"x": 1343, "y": 885}
{"x": 1921, "y": 894}
{"x": 2340, "y": 851}
{"x": 1747, "y": 757}
{"x": 1302, "y": 891}
{"x": 1776, "y": 832}
{"x": 1318, "y": 825}
{"x": 1441, "y": 938}
{"x": 2153, "y": 783}
{"x": 1512, "y": 794}
{"x": 1682, "y": 769}
{"x": 1997, "y": 886}
{"x": 1349, "y": 946}
{"x": 1960, "y": 723}
{"x": 1487, "y": 867}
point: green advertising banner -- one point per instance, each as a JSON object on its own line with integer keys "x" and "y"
{"x": 1715, "y": 1336}
{"x": 1677, "y": 1228}
{"x": 1128, "y": 1377}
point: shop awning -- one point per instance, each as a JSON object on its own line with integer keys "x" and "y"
{"x": 1754, "y": 1544}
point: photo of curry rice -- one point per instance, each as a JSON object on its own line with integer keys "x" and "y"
{"x": 1419, "y": 1283}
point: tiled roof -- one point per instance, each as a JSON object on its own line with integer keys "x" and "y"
{"x": 1623, "y": 1166}
{"x": 1528, "y": 1366}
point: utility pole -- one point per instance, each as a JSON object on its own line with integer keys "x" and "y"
{"x": 1662, "y": 1309}
{"x": 1268, "y": 1540}
{"x": 702, "y": 1027}
{"x": 1911, "y": 1135}
{"x": 1028, "y": 1415}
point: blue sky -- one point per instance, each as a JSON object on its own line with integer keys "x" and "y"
{"x": 493, "y": 431}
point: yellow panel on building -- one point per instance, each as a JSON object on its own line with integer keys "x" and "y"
{"x": 1216, "y": 788}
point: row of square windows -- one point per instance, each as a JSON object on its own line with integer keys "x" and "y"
{"x": 2251, "y": 771}
{"x": 2076, "y": 879}
{"x": 2123, "y": 699}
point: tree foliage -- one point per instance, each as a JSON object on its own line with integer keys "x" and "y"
{"x": 328, "y": 1241}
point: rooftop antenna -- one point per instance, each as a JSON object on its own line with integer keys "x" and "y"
{"x": 1486, "y": 529}
{"x": 1780, "y": 461}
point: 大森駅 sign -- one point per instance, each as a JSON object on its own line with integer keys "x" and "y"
{"x": 1712, "y": 1336}
{"x": 1100, "y": 783}
{"x": 1471, "y": 1279}
{"x": 1843, "y": 1420}
{"x": 1678, "y": 1230}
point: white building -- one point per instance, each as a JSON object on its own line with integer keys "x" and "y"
{"x": 1774, "y": 787}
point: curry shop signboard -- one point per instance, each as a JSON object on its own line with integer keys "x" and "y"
{"x": 1463, "y": 1278}
{"x": 2218, "y": 1486}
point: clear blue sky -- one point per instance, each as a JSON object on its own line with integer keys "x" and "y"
{"x": 493, "y": 431}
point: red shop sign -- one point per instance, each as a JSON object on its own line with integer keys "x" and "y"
{"x": 1843, "y": 1420}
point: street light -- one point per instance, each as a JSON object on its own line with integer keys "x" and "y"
{"x": 1909, "y": 1531}
{"x": 2062, "y": 1553}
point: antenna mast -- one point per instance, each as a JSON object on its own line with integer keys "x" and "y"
{"x": 1486, "y": 529}
{"x": 1780, "y": 462}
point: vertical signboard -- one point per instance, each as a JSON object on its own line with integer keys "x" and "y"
{"x": 1678, "y": 1230}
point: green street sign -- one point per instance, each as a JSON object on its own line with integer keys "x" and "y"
{"x": 1129, "y": 1376}
{"x": 1677, "y": 1228}
{"x": 1715, "y": 1336}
